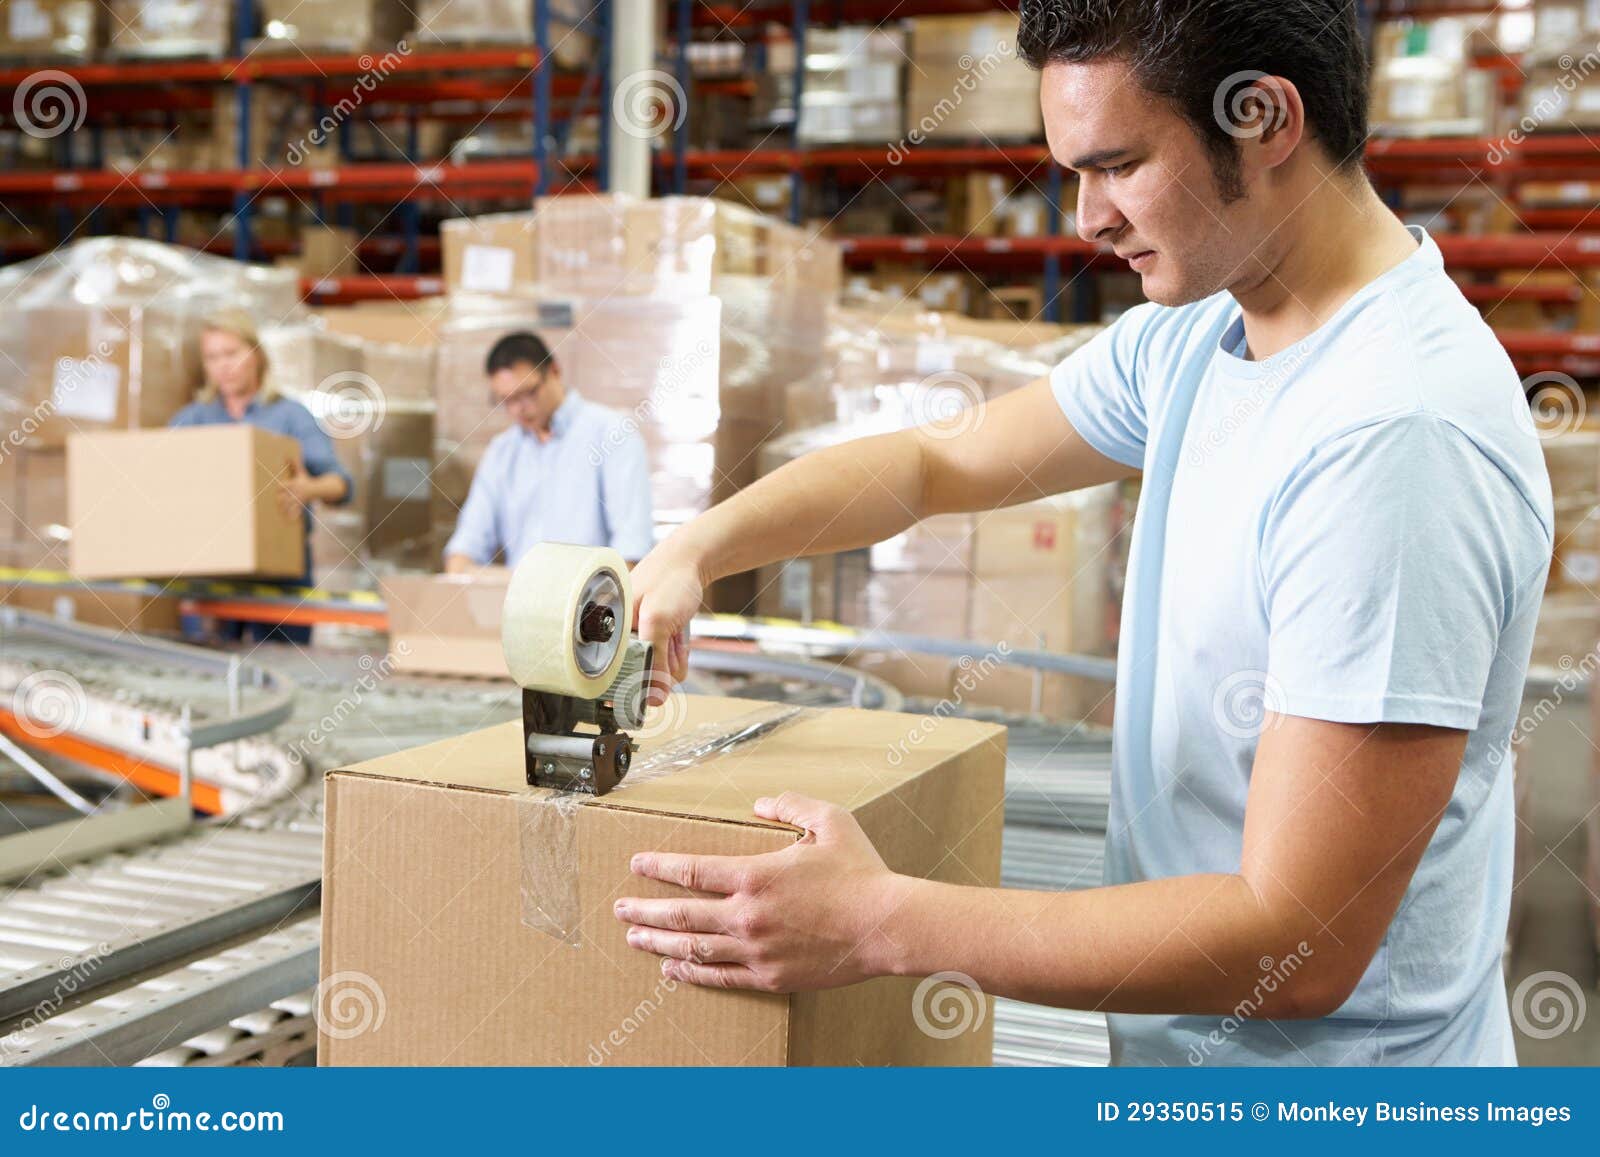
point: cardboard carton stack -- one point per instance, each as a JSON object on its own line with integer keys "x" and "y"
{"x": 333, "y": 25}
{"x": 51, "y": 30}
{"x": 406, "y": 852}
{"x": 968, "y": 82}
{"x": 853, "y": 80}
{"x": 162, "y": 29}
{"x": 1423, "y": 83}
{"x": 466, "y": 22}
{"x": 1042, "y": 575}
{"x": 685, "y": 315}
{"x": 1561, "y": 92}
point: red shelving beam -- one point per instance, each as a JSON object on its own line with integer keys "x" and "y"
{"x": 874, "y": 12}
{"x": 340, "y": 290}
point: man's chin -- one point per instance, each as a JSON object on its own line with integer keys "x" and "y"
{"x": 1164, "y": 292}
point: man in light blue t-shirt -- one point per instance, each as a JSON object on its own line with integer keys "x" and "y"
{"x": 1342, "y": 540}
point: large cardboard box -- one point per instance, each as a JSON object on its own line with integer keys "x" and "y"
{"x": 50, "y": 29}
{"x": 194, "y": 502}
{"x": 443, "y": 624}
{"x": 428, "y": 852}
{"x": 94, "y": 368}
{"x": 328, "y": 251}
{"x": 494, "y": 253}
{"x": 969, "y": 82}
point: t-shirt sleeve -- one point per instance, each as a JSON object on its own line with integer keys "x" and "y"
{"x": 1099, "y": 389}
{"x": 1391, "y": 560}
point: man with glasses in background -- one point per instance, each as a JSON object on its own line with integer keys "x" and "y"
{"x": 567, "y": 470}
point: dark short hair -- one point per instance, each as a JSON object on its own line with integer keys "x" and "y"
{"x": 1188, "y": 51}
{"x": 518, "y": 349}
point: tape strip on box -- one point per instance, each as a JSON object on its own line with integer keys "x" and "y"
{"x": 552, "y": 899}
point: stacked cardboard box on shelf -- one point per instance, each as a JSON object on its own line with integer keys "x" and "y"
{"x": 333, "y": 25}
{"x": 51, "y": 30}
{"x": 1423, "y": 83}
{"x": 1573, "y": 460}
{"x": 853, "y": 78}
{"x": 163, "y": 29}
{"x": 466, "y": 22}
{"x": 1561, "y": 88}
{"x": 968, "y": 82}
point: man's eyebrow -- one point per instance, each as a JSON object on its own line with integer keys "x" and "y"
{"x": 1092, "y": 160}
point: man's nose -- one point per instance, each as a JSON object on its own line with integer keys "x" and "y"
{"x": 1098, "y": 217}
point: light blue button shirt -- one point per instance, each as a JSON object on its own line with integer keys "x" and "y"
{"x": 589, "y": 484}
{"x": 1355, "y": 529}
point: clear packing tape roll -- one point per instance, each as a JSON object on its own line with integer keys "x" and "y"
{"x": 547, "y": 821}
{"x": 539, "y": 629}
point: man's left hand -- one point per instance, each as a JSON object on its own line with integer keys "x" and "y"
{"x": 803, "y": 918}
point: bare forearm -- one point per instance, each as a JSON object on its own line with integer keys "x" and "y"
{"x": 328, "y": 488}
{"x": 838, "y": 498}
{"x": 1199, "y": 945}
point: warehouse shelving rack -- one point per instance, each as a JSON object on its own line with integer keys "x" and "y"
{"x": 516, "y": 81}
{"x": 1062, "y": 258}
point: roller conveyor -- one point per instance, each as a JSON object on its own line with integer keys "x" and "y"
{"x": 251, "y": 875}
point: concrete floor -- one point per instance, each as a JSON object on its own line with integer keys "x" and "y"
{"x": 1557, "y": 932}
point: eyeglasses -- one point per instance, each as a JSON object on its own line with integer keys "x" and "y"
{"x": 519, "y": 398}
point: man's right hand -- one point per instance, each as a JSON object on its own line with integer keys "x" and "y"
{"x": 667, "y": 593}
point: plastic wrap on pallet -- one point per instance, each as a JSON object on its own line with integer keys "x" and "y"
{"x": 465, "y": 22}
{"x": 853, "y": 85}
{"x": 103, "y": 334}
{"x": 50, "y": 30}
{"x": 142, "y": 29}
{"x": 333, "y": 25}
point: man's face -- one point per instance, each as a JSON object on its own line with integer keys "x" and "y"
{"x": 1146, "y": 185}
{"x": 530, "y": 396}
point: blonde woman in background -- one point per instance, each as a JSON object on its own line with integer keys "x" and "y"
{"x": 237, "y": 389}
